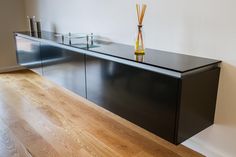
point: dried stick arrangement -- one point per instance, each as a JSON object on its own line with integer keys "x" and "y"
{"x": 139, "y": 47}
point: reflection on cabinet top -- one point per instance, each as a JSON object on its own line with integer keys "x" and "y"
{"x": 176, "y": 64}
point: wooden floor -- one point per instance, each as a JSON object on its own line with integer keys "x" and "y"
{"x": 41, "y": 119}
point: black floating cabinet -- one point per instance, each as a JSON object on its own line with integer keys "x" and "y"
{"x": 171, "y": 95}
{"x": 172, "y": 108}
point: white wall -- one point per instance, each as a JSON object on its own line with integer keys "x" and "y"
{"x": 12, "y": 17}
{"x": 201, "y": 27}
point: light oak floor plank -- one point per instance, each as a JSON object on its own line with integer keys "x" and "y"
{"x": 46, "y": 120}
{"x": 10, "y": 146}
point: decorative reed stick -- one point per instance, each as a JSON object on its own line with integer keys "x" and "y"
{"x": 144, "y": 7}
{"x": 139, "y": 48}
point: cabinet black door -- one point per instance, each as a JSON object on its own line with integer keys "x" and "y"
{"x": 28, "y": 54}
{"x": 145, "y": 98}
{"x": 64, "y": 67}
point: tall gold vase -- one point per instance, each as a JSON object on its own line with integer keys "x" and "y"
{"x": 139, "y": 44}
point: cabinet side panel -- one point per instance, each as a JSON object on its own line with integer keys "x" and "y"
{"x": 198, "y": 102}
{"x": 145, "y": 98}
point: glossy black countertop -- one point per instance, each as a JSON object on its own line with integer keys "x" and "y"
{"x": 162, "y": 59}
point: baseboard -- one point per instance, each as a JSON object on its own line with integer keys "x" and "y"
{"x": 11, "y": 68}
{"x": 201, "y": 148}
